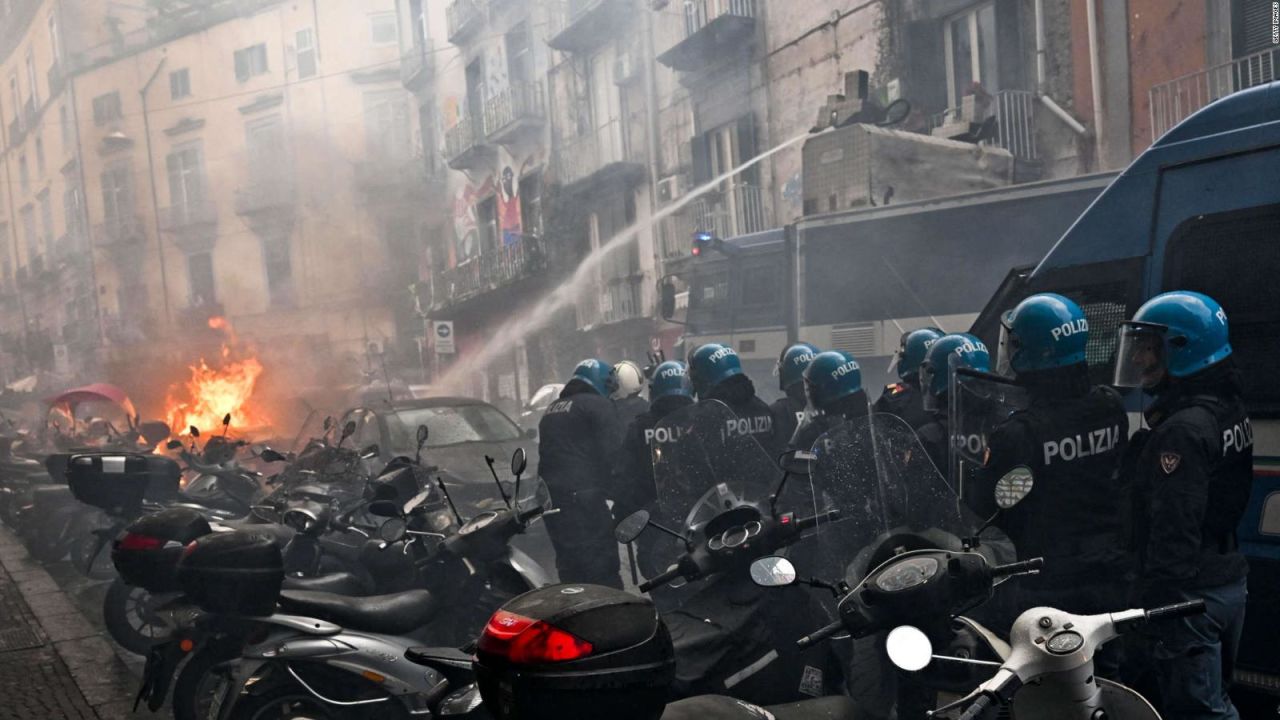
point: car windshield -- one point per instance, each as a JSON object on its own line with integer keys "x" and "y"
{"x": 449, "y": 425}
{"x": 545, "y": 395}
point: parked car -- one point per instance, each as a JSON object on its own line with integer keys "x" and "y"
{"x": 538, "y": 404}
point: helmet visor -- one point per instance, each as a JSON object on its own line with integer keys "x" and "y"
{"x": 1006, "y": 348}
{"x": 927, "y": 374}
{"x": 1141, "y": 360}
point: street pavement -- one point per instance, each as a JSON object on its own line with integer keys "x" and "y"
{"x": 54, "y": 662}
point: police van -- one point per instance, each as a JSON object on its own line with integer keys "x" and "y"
{"x": 1199, "y": 210}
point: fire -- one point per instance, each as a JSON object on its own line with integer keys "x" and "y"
{"x": 213, "y": 392}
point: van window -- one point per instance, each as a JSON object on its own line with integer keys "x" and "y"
{"x": 1234, "y": 257}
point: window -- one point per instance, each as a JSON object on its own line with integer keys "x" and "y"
{"x": 487, "y": 224}
{"x": 179, "y": 84}
{"x": 46, "y": 220}
{"x": 279, "y": 267}
{"x": 200, "y": 279}
{"x": 531, "y": 204}
{"x": 15, "y": 96}
{"x": 72, "y": 212}
{"x": 34, "y": 100}
{"x": 519, "y": 54}
{"x": 55, "y": 42}
{"x": 386, "y": 119}
{"x": 186, "y": 177}
{"x": 305, "y": 45}
{"x": 251, "y": 62}
{"x": 382, "y": 28}
{"x": 40, "y": 157}
{"x": 24, "y": 174}
{"x": 64, "y": 126}
{"x": 266, "y": 149}
{"x": 32, "y": 239}
{"x": 117, "y": 195}
{"x": 969, "y": 40}
{"x": 107, "y": 109}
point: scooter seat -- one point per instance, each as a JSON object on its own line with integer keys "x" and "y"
{"x": 719, "y": 707}
{"x": 338, "y": 583}
{"x": 395, "y": 614}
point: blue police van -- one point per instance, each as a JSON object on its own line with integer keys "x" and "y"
{"x": 1199, "y": 210}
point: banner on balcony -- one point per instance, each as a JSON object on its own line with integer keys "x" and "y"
{"x": 509, "y": 218}
{"x": 442, "y": 332}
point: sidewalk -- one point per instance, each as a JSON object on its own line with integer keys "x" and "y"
{"x": 53, "y": 662}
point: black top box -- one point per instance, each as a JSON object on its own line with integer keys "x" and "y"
{"x": 117, "y": 481}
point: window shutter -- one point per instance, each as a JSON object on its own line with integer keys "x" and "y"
{"x": 242, "y": 65}
{"x": 747, "y": 148}
{"x": 926, "y": 82}
{"x": 701, "y": 159}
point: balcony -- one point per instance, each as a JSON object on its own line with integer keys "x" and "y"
{"x": 417, "y": 66}
{"x": 1015, "y": 122}
{"x": 463, "y": 18}
{"x": 464, "y": 146}
{"x": 267, "y": 197}
{"x": 713, "y": 29}
{"x": 1173, "y": 101}
{"x": 617, "y": 300}
{"x": 521, "y": 106}
{"x": 489, "y": 271}
{"x": 581, "y": 25}
{"x": 57, "y": 80}
{"x": 739, "y": 210}
{"x": 600, "y": 157}
{"x": 179, "y": 219}
{"x": 120, "y": 234}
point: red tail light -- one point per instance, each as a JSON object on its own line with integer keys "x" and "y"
{"x": 526, "y": 641}
{"x": 133, "y": 541}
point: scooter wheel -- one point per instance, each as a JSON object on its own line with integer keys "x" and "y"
{"x": 127, "y": 613}
{"x": 200, "y": 685}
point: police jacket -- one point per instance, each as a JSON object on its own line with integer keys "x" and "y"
{"x": 578, "y": 437}
{"x": 905, "y": 400}
{"x": 1073, "y": 438}
{"x": 629, "y": 408}
{"x": 933, "y": 435}
{"x": 755, "y": 417}
{"x": 633, "y": 474}
{"x": 1193, "y": 477}
{"x": 818, "y": 423}
{"x": 788, "y": 414}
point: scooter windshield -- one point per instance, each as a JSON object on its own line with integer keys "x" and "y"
{"x": 890, "y": 496}
{"x": 979, "y": 402}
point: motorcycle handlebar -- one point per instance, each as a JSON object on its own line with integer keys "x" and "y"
{"x": 811, "y": 522}
{"x": 662, "y": 579}
{"x": 1034, "y": 565}
{"x": 1176, "y": 610}
{"x": 978, "y": 708}
{"x": 819, "y": 635}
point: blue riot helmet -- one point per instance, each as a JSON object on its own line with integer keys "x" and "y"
{"x": 912, "y": 349}
{"x": 598, "y": 374}
{"x": 792, "y": 362}
{"x": 1043, "y": 332}
{"x": 831, "y": 376}
{"x": 712, "y": 364}
{"x": 670, "y": 378}
{"x": 1175, "y": 334}
{"x": 947, "y": 354}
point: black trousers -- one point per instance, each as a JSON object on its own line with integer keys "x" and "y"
{"x": 582, "y": 535}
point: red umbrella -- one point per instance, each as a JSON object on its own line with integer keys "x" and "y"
{"x": 94, "y": 392}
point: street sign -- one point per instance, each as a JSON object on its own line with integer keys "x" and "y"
{"x": 443, "y": 332}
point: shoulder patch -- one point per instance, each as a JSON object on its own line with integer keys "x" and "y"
{"x": 894, "y": 388}
{"x": 1169, "y": 462}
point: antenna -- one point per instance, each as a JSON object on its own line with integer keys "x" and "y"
{"x": 489, "y": 461}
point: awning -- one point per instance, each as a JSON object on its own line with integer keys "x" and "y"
{"x": 94, "y": 392}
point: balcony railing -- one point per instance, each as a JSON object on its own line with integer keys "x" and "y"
{"x": 608, "y": 147}
{"x": 464, "y": 146}
{"x": 1174, "y": 101}
{"x": 463, "y": 18}
{"x": 490, "y": 271}
{"x": 1014, "y": 113}
{"x": 178, "y": 218}
{"x": 119, "y": 231}
{"x": 579, "y": 25}
{"x": 520, "y": 104}
{"x": 417, "y": 66}
{"x": 614, "y": 301}
{"x": 737, "y": 211}
{"x": 710, "y": 26}
{"x": 265, "y": 196}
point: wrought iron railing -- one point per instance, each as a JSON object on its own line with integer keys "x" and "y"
{"x": 462, "y": 137}
{"x": 517, "y": 102}
{"x": 490, "y": 271}
{"x": 1175, "y": 100}
{"x": 610, "y": 302}
{"x": 582, "y": 156}
{"x": 190, "y": 214}
{"x": 120, "y": 230}
{"x": 1014, "y": 113}
{"x": 740, "y": 210}
{"x": 700, "y": 13}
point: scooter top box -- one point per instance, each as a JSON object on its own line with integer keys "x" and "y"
{"x": 114, "y": 480}
{"x": 236, "y": 573}
{"x": 146, "y": 555}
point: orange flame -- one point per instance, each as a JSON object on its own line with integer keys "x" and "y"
{"x": 213, "y": 392}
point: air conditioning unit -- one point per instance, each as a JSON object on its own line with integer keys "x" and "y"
{"x": 671, "y": 188}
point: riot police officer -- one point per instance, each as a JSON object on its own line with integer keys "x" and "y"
{"x": 944, "y": 356}
{"x": 716, "y": 373}
{"x": 578, "y": 436}
{"x": 904, "y": 398}
{"x": 789, "y": 410}
{"x": 1192, "y": 482}
{"x": 1072, "y": 436}
{"x": 627, "y": 397}
{"x": 833, "y": 387}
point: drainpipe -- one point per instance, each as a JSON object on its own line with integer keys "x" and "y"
{"x": 155, "y": 200}
{"x": 1045, "y": 100}
{"x": 1095, "y": 77}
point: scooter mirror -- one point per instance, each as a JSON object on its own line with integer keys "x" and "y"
{"x": 269, "y": 455}
{"x": 519, "y": 461}
{"x": 349, "y": 429}
{"x": 370, "y": 451}
{"x": 423, "y": 432}
{"x": 328, "y": 423}
{"x": 174, "y": 444}
{"x": 773, "y": 571}
{"x": 908, "y": 648}
{"x": 393, "y": 530}
{"x": 193, "y": 431}
{"x": 631, "y": 526}
{"x": 384, "y": 508}
{"x": 1014, "y": 487}
{"x": 796, "y": 462}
